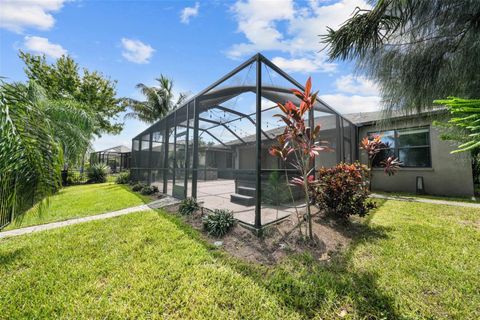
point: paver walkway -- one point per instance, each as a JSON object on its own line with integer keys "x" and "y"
{"x": 424, "y": 200}
{"x": 162, "y": 203}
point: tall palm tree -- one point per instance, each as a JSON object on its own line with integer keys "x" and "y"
{"x": 159, "y": 101}
{"x": 37, "y": 138}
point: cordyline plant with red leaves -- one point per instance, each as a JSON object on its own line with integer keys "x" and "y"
{"x": 391, "y": 165}
{"x": 372, "y": 146}
{"x": 342, "y": 191}
{"x": 298, "y": 143}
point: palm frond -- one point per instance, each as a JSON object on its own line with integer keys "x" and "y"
{"x": 30, "y": 157}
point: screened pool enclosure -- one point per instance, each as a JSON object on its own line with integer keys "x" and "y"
{"x": 215, "y": 146}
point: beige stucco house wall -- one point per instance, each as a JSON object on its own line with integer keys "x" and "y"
{"x": 450, "y": 174}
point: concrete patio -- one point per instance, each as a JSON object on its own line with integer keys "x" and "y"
{"x": 215, "y": 194}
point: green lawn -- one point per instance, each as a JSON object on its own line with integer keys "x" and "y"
{"x": 80, "y": 201}
{"x": 409, "y": 261}
{"x": 138, "y": 266}
{"x": 426, "y": 196}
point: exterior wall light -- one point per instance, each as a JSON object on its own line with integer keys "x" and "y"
{"x": 420, "y": 185}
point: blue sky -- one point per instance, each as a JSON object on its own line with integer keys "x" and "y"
{"x": 193, "y": 42}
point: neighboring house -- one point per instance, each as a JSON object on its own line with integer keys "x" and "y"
{"x": 418, "y": 145}
{"x": 117, "y": 158}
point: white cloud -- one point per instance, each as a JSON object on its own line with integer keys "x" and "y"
{"x": 286, "y": 26}
{"x": 189, "y": 12}
{"x": 16, "y": 15}
{"x": 354, "y": 103}
{"x": 291, "y": 29}
{"x": 136, "y": 51}
{"x": 41, "y": 45}
{"x": 257, "y": 21}
{"x": 304, "y": 65}
{"x": 357, "y": 85}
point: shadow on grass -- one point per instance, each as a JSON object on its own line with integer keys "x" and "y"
{"x": 311, "y": 288}
{"x": 356, "y": 228}
{"x": 7, "y": 258}
{"x": 144, "y": 199}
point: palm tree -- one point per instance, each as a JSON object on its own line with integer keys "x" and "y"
{"x": 38, "y": 137}
{"x": 159, "y": 101}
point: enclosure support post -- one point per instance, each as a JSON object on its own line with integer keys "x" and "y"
{"x": 258, "y": 146}
{"x": 187, "y": 154}
{"x": 149, "y": 179}
{"x": 165, "y": 158}
{"x": 339, "y": 139}
{"x": 357, "y": 142}
{"x": 174, "y": 150}
{"x": 195, "y": 149}
{"x": 133, "y": 173}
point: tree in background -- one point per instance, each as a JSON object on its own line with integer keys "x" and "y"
{"x": 159, "y": 101}
{"x": 37, "y": 137}
{"x": 417, "y": 51}
{"x": 91, "y": 91}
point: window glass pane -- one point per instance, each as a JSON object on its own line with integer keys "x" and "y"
{"x": 388, "y": 137}
{"x": 381, "y": 156}
{"x": 413, "y": 137}
{"x": 415, "y": 157}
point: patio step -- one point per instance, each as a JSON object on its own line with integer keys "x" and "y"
{"x": 247, "y": 191}
{"x": 242, "y": 199}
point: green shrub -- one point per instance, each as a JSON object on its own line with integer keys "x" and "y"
{"x": 98, "y": 173}
{"x": 219, "y": 222}
{"x": 188, "y": 206}
{"x": 276, "y": 191}
{"x": 148, "y": 190}
{"x": 123, "y": 178}
{"x": 74, "y": 178}
{"x": 138, "y": 186}
{"x": 342, "y": 190}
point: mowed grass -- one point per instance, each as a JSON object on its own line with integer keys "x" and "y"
{"x": 80, "y": 201}
{"x": 407, "y": 261}
{"x": 429, "y": 197}
{"x": 138, "y": 266}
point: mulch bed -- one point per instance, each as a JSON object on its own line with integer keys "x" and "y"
{"x": 281, "y": 239}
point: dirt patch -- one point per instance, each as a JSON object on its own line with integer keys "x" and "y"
{"x": 281, "y": 239}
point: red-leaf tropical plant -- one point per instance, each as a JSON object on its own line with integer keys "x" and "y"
{"x": 373, "y": 145}
{"x": 390, "y": 165}
{"x": 298, "y": 143}
{"x": 342, "y": 190}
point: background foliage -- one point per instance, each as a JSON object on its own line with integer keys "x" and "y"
{"x": 158, "y": 101}
{"x": 30, "y": 158}
{"x": 95, "y": 93}
{"x": 39, "y": 136}
{"x": 417, "y": 51}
